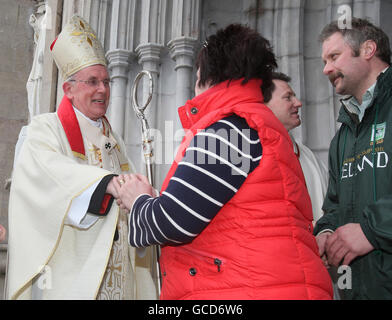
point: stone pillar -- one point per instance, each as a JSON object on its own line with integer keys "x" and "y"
{"x": 118, "y": 66}
{"x": 185, "y": 34}
{"x": 149, "y": 58}
{"x": 182, "y": 51}
{"x": 120, "y": 56}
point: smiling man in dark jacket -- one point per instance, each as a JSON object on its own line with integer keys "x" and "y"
{"x": 356, "y": 229}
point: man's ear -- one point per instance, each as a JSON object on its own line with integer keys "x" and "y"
{"x": 67, "y": 88}
{"x": 368, "y": 49}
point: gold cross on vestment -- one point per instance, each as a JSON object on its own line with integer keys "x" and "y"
{"x": 111, "y": 270}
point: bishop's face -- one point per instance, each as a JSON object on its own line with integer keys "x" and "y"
{"x": 92, "y": 100}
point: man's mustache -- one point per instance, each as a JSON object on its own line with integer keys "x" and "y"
{"x": 333, "y": 77}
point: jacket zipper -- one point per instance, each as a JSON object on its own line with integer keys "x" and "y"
{"x": 217, "y": 261}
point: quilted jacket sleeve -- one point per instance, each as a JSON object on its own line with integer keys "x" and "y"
{"x": 377, "y": 224}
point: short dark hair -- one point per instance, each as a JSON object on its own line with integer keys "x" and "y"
{"x": 233, "y": 53}
{"x": 269, "y": 89}
{"x": 361, "y": 31}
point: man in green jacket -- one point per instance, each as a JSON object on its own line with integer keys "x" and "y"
{"x": 356, "y": 229}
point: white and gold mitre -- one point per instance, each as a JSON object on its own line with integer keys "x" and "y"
{"x": 76, "y": 48}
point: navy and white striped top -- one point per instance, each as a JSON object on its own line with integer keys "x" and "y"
{"x": 214, "y": 167}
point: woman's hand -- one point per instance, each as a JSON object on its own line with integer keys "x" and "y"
{"x": 132, "y": 186}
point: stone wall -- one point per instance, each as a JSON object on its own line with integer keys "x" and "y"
{"x": 16, "y": 54}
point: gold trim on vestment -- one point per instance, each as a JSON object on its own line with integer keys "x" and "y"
{"x": 108, "y": 256}
{"x": 79, "y": 155}
{"x": 125, "y": 167}
{"x": 30, "y": 281}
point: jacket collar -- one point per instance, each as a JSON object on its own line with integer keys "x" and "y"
{"x": 223, "y": 95}
{"x": 383, "y": 86}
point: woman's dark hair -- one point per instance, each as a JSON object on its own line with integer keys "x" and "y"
{"x": 236, "y": 52}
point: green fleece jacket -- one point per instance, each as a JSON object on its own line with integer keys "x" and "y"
{"x": 360, "y": 191}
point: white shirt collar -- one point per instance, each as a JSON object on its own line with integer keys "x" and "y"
{"x": 97, "y": 123}
{"x": 359, "y": 109}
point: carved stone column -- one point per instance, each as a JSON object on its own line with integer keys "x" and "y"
{"x": 149, "y": 58}
{"x": 182, "y": 51}
{"x": 185, "y": 34}
{"x": 118, "y": 68}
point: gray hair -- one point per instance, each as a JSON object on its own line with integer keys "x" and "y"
{"x": 361, "y": 31}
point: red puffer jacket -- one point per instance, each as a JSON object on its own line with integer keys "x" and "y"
{"x": 260, "y": 244}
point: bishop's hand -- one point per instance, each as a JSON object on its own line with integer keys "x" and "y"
{"x": 132, "y": 186}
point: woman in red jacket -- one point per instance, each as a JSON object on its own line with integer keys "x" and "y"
{"x": 234, "y": 216}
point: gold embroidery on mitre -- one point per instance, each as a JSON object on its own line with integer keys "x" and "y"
{"x": 85, "y": 33}
{"x": 77, "y": 47}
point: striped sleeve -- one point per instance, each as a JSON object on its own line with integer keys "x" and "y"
{"x": 214, "y": 167}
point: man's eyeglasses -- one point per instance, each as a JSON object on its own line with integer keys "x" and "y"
{"x": 94, "y": 82}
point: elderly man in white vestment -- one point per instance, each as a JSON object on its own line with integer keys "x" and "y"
{"x": 67, "y": 237}
{"x": 282, "y": 101}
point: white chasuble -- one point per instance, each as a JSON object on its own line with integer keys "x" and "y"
{"x": 316, "y": 177}
{"x": 62, "y": 261}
